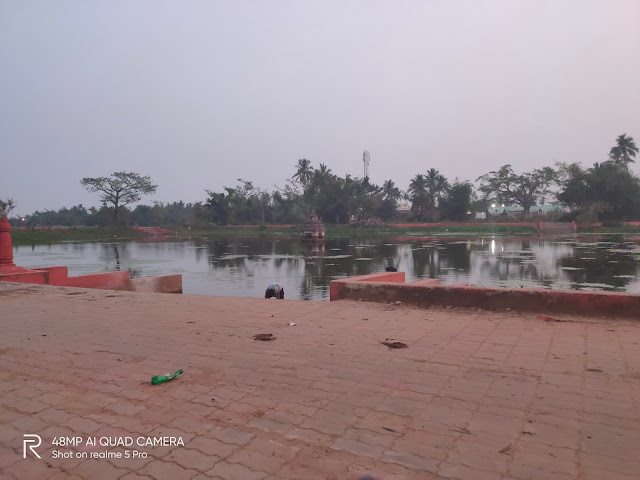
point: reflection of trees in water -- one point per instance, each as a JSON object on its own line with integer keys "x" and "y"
{"x": 457, "y": 256}
{"x": 525, "y": 261}
{"x": 600, "y": 266}
{"x": 111, "y": 253}
{"x": 244, "y": 260}
{"x": 425, "y": 260}
{"x": 435, "y": 261}
{"x": 311, "y": 268}
{"x": 117, "y": 255}
{"x": 542, "y": 262}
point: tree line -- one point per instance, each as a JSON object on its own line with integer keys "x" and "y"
{"x": 607, "y": 190}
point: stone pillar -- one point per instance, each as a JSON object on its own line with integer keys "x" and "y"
{"x": 6, "y": 249}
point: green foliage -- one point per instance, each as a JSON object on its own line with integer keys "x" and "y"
{"x": 425, "y": 193}
{"x": 6, "y": 206}
{"x": 176, "y": 213}
{"x": 606, "y": 191}
{"x": 81, "y": 234}
{"x": 391, "y": 194}
{"x": 304, "y": 172}
{"x": 337, "y": 200}
{"x": 457, "y": 202}
{"x": 120, "y": 189}
{"x": 624, "y": 151}
{"x": 505, "y": 186}
{"x": 244, "y": 204}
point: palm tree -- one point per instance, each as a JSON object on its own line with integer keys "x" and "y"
{"x": 324, "y": 170}
{"x": 390, "y": 191}
{"x": 419, "y": 195}
{"x": 323, "y": 173}
{"x": 624, "y": 150}
{"x": 437, "y": 184}
{"x": 304, "y": 172}
{"x": 418, "y": 186}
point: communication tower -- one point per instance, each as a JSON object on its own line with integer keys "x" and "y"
{"x": 366, "y": 160}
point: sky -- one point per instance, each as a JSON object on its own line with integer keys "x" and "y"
{"x": 197, "y": 94}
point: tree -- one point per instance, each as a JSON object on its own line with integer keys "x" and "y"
{"x": 288, "y": 204}
{"x": 437, "y": 185}
{"x": 304, "y": 172}
{"x": 419, "y": 195}
{"x": 320, "y": 178}
{"x": 219, "y": 205}
{"x": 624, "y": 150}
{"x": 121, "y": 189}
{"x": 606, "y": 190}
{"x": 572, "y": 180}
{"x": 391, "y": 194}
{"x": 390, "y": 191}
{"x": 6, "y": 206}
{"x": 525, "y": 190}
{"x": 457, "y": 202}
{"x": 323, "y": 171}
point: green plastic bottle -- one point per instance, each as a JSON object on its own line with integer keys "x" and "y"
{"x": 165, "y": 378}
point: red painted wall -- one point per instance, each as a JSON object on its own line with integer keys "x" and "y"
{"x": 98, "y": 280}
{"x": 518, "y": 299}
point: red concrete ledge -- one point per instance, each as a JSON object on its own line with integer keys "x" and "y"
{"x": 105, "y": 281}
{"x": 390, "y": 287}
{"x": 10, "y": 272}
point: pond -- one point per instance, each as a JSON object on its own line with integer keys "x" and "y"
{"x": 244, "y": 266}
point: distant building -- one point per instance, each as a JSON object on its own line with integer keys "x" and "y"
{"x": 512, "y": 210}
{"x": 403, "y": 209}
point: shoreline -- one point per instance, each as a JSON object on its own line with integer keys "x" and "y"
{"x": 22, "y": 237}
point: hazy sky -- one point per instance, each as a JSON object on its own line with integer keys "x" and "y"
{"x": 199, "y": 93}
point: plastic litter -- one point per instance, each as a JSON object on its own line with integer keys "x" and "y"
{"x": 165, "y": 378}
{"x": 292, "y": 324}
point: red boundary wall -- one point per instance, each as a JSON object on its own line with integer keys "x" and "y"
{"x": 391, "y": 287}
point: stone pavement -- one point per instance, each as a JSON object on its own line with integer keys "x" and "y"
{"x": 476, "y": 395}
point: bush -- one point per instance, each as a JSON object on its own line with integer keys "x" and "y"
{"x": 569, "y": 217}
{"x": 612, "y": 223}
{"x": 369, "y": 223}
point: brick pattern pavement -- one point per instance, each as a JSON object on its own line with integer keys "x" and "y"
{"x": 476, "y": 395}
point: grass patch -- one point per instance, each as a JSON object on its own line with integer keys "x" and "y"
{"x": 92, "y": 234}
{"x": 80, "y": 234}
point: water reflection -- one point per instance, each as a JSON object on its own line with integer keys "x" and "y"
{"x": 243, "y": 266}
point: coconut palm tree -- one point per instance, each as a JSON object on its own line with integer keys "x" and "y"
{"x": 304, "y": 172}
{"x": 323, "y": 172}
{"x": 390, "y": 191}
{"x": 437, "y": 184}
{"x": 624, "y": 150}
{"x": 419, "y": 195}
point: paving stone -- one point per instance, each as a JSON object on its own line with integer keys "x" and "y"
{"x": 160, "y": 469}
{"x": 475, "y": 396}
{"x": 235, "y": 471}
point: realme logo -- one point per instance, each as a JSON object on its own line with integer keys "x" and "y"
{"x": 30, "y": 438}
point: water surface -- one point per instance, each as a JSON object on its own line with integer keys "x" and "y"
{"x": 244, "y": 266}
